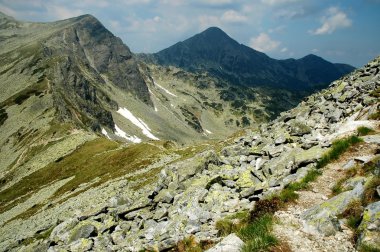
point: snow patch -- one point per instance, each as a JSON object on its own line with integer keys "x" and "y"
{"x": 138, "y": 122}
{"x": 119, "y": 132}
{"x": 167, "y": 91}
{"x": 207, "y": 131}
{"x": 104, "y": 132}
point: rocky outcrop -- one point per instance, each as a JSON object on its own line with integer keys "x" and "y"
{"x": 192, "y": 194}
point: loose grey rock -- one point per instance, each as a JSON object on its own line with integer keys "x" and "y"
{"x": 230, "y": 243}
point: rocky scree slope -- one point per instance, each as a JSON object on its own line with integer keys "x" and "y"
{"x": 191, "y": 194}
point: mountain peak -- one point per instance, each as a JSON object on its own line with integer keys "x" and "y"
{"x": 214, "y": 31}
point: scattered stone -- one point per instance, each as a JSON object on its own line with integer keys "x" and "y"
{"x": 230, "y": 243}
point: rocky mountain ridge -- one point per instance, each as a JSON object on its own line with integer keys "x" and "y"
{"x": 191, "y": 189}
{"x": 215, "y": 52}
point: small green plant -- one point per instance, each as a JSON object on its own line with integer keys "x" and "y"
{"x": 368, "y": 248}
{"x": 189, "y": 244}
{"x": 232, "y": 223}
{"x": 353, "y": 214}
{"x": 257, "y": 235}
{"x": 288, "y": 195}
{"x": 337, "y": 188}
{"x": 363, "y": 131}
{"x": 370, "y": 193}
{"x": 375, "y": 116}
{"x": 303, "y": 184}
{"x": 337, "y": 149}
{"x": 265, "y": 206}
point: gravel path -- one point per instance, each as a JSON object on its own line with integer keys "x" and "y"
{"x": 290, "y": 228}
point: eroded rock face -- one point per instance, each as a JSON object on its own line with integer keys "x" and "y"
{"x": 190, "y": 195}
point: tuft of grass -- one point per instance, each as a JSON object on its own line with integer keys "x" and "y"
{"x": 288, "y": 195}
{"x": 310, "y": 177}
{"x": 375, "y": 93}
{"x": 363, "y": 131}
{"x": 337, "y": 149}
{"x": 370, "y": 193}
{"x": 257, "y": 235}
{"x": 337, "y": 188}
{"x": 375, "y": 116}
{"x": 232, "y": 223}
{"x": 368, "y": 248}
{"x": 370, "y": 167}
{"x": 190, "y": 244}
{"x": 265, "y": 206}
{"x": 353, "y": 214}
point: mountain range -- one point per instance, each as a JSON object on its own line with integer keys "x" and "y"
{"x": 215, "y": 52}
{"x": 105, "y": 150}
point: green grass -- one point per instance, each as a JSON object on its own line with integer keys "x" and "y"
{"x": 337, "y": 149}
{"x": 353, "y": 214}
{"x": 363, "y": 131}
{"x": 368, "y": 248}
{"x": 288, "y": 194}
{"x": 375, "y": 116}
{"x": 370, "y": 193}
{"x": 232, "y": 224}
{"x": 190, "y": 244}
{"x": 337, "y": 188}
{"x": 257, "y": 235}
{"x": 255, "y": 228}
{"x": 310, "y": 177}
{"x": 99, "y": 158}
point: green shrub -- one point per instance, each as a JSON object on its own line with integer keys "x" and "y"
{"x": 363, "y": 131}
{"x": 337, "y": 149}
{"x": 266, "y": 206}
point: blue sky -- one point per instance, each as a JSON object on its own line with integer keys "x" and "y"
{"x": 345, "y": 31}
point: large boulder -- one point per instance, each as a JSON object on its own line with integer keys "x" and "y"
{"x": 370, "y": 227}
{"x": 323, "y": 219}
{"x": 230, "y": 243}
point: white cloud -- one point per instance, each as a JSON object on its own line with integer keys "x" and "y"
{"x": 335, "y": 19}
{"x": 61, "y": 12}
{"x": 215, "y": 2}
{"x": 290, "y": 12}
{"x": 284, "y": 49}
{"x": 207, "y": 21}
{"x": 232, "y": 16}
{"x": 278, "y": 2}
{"x": 264, "y": 43}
